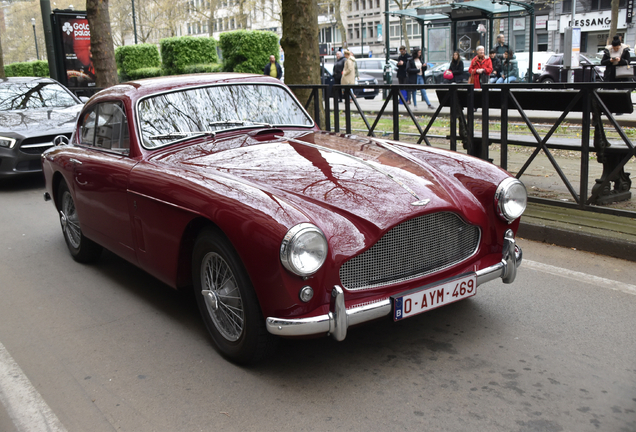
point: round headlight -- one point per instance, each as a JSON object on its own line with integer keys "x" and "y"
{"x": 511, "y": 199}
{"x": 303, "y": 250}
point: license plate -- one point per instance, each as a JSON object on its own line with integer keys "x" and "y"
{"x": 368, "y": 90}
{"x": 433, "y": 296}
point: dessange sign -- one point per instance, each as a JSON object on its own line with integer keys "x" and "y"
{"x": 593, "y": 21}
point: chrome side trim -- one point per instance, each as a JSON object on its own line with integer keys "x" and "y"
{"x": 339, "y": 318}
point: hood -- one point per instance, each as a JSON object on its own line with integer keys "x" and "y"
{"x": 34, "y": 122}
{"x": 372, "y": 180}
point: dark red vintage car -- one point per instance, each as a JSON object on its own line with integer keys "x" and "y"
{"x": 222, "y": 182}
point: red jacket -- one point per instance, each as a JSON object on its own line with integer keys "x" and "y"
{"x": 475, "y": 64}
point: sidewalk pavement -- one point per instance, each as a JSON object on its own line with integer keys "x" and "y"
{"x": 583, "y": 230}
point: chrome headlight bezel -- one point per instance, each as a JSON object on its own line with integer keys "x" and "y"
{"x": 7, "y": 142}
{"x": 511, "y": 199}
{"x": 289, "y": 246}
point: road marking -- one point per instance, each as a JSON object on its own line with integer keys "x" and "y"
{"x": 581, "y": 277}
{"x": 25, "y": 405}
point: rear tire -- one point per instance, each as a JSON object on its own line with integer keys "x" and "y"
{"x": 227, "y": 301}
{"x": 81, "y": 248}
{"x": 548, "y": 81}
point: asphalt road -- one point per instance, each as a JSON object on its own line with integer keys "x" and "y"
{"x": 106, "y": 347}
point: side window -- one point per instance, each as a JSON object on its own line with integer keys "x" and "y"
{"x": 87, "y": 129}
{"x": 112, "y": 127}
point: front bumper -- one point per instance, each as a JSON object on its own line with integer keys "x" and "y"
{"x": 339, "y": 318}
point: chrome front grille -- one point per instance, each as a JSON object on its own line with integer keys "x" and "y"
{"x": 413, "y": 249}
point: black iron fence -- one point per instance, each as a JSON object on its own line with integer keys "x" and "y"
{"x": 595, "y": 103}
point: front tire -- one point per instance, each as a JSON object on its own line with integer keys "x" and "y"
{"x": 227, "y": 301}
{"x": 81, "y": 248}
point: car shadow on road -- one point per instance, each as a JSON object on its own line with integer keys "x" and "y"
{"x": 426, "y": 338}
{"x": 22, "y": 183}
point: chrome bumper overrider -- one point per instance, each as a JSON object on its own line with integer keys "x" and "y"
{"x": 340, "y": 318}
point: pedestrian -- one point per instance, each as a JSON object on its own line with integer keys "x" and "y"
{"x": 496, "y": 66}
{"x": 415, "y": 70}
{"x": 509, "y": 69}
{"x": 349, "y": 71}
{"x": 500, "y": 47}
{"x": 480, "y": 68}
{"x": 457, "y": 69}
{"x": 338, "y": 68}
{"x": 273, "y": 69}
{"x": 402, "y": 76}
{"x": 616, "y": 55}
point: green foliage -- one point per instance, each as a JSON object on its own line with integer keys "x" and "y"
{"x": 40, "y": 68}
{"x": 130, "y": 58}
{"x": 179, "y": 52}
{"x": 203, "y": 68}
{"x": 149, "y": 72}
{"x": 37, "y": 68}
{"x": 248, "y": 51}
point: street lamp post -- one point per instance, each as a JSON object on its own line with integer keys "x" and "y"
{"x": 35, "y": 37}
{"x": 134, "y": 23}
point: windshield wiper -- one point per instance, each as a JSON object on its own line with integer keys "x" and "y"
{"x": 175, "y": 135}
{"x": 238, "y": 123}
{"x": 227, "y": 123}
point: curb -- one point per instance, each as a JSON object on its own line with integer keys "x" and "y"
{"x": 572, "y": 238}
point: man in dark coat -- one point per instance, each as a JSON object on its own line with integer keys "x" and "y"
{"x": 273, "y": 69}
{"x": 402, "y": 76}
{"x": 500, "y": 47}
{"x": 337, "y": 72}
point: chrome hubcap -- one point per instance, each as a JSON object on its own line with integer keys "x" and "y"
{"x": 222, "y": 296}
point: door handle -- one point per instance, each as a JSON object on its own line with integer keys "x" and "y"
{"x": 75, "y": 161}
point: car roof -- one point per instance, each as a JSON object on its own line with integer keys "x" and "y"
{"x": 143, "y": 87}
{"x": 27, "y": 79}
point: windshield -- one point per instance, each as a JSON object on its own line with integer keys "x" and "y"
{"x": 33, "y": 94}
{"x": 443, "y": 66}
{"x": 173, "y": 116}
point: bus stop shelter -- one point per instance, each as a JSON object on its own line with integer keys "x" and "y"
{"x": 470, "y": 22}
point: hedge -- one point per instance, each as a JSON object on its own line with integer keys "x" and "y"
{"x": 203, "y": 68}
{"x": 130, "y": 58}
{"x": 38, "y": 68}
{"x": 179, "y": 52}
{"x": 247, "y": 50}
{"x": 149, "y": 72}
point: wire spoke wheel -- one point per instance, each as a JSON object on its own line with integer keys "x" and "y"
{"x": 70, "y": 221}
{"x": 227, "y": 300}
{"x": 222, "y": 296}
{"x": 82, "y": 249}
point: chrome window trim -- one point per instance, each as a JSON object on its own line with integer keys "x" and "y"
{"x": 218, "y": 84}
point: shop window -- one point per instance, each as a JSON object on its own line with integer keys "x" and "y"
{"x": 542, "y": 42}
{"x": 520, "y": 43}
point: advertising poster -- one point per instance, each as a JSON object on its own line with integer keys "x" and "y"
{"x": 75, "y": 40}
{"x": 576, "y": 46}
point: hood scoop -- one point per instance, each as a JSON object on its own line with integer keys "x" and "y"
{"x": 266, "y": 134}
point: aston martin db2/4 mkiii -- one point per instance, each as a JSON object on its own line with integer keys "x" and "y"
{"x": 224, "y": 183}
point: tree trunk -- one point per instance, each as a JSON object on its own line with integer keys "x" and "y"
{"x": 614, "y": 23}
{"x": 300, "y": 43}
{"x": 2, "y": 74}
{"x": 405, "y": 34}
{"x": 339, "y": 23}
{"x": 101, "y": 43}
